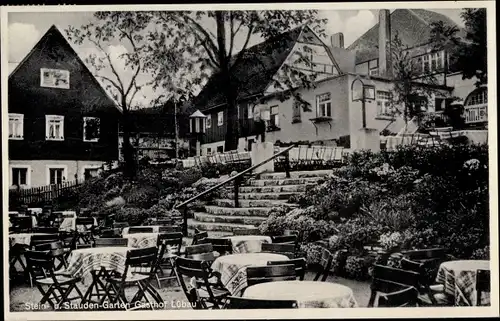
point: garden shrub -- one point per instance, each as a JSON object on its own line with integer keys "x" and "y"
{"x": 312, "y": 253}
{"x": 356, "y": 267}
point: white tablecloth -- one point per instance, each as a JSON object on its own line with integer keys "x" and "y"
{"x": 141, "y": 240}
{"x": 308, "y": 294}
{"x": 248, "y": 243}
{"x": 22, "y": 238}
{"x": 156, "y": 229}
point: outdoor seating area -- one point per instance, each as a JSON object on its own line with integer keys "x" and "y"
{"x": 78, "y": 265}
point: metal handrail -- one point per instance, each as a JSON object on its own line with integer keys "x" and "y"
{"x": 234, "y": 178}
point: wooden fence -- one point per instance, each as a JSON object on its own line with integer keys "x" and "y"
{"x": 42, "y": 194}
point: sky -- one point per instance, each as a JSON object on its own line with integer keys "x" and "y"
{"x": 26, "y": 28}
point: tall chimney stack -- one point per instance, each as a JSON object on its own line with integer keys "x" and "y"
{"x": 337, "y": 40}
{"x": 384, "y": 39}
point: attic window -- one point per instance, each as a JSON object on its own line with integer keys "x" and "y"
{"x": 54, "y": 78}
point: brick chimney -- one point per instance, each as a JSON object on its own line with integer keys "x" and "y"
{"x": 384, "y": 41}
{"x": 337, "y": 40}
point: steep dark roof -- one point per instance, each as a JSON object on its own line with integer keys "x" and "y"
{"x": 53, "y": 39}
{"x": 412, "y": 25}
{"x": 253, "y": 73}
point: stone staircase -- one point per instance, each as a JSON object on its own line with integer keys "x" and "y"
{"x": 257, "y": 196}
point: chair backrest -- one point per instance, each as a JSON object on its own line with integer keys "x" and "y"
{"x": 285, "y": 249}
{"x": 170, "y": 229}
{"x": 49, "y": 230}
{"x": 120, "y": 224}
{"x": 40, "y": 264}
{"x": 285, "y": 239}
{"x": 245, "y": 303}
{"x": 247, "y": 231}
{"x": 140, "y": 229}
{"x": 140, "y": 258}
{"x": 425, "y": 254}
{"x": 269, "y": 273}
{"x": 38, "y": 239}
{"x": 191, "y": 268}
{"x": 107, "y": 242}
{"x": 388, "y": 279}
{"x": 299, "y": 263}
{"x": 325, "y": 265}
{"x": 221, "y": 245}
{"x": 86, "y": 221}
{"x": 403, "y": 298}
{"x": 203, "y": 252}
{"x": 199, "y": 236}
{"x": 22, "y": 222}
{"x": 110, "y": 233}
{"x": 171, "y": 242}
{"x": 483, "y": 283}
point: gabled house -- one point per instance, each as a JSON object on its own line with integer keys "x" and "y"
{"x": 62, "y": 124}
{"x": 413, "y": 27}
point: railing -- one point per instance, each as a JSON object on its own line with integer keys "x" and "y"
{"x": 237, "y": 179}
{"x": 476, "y": 114}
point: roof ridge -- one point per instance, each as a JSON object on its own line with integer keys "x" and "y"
{"x": 419, "y": 17}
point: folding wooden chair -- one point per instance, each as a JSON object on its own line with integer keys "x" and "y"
{"x": 325, "y": 266}
{"x": 22, "y": 224}
{"x": 140, "y": 266}
{"x": 140, "y": 229}
{"x": 234, "y": 302}
{"x": 111, "y": 233}
{"x": 38, "y": 239}
{"x": 387, "y": 279}
{"x": 402, "y": 298}
{"x": 285, "y": 249}
{"x": 85, "y": 229}
{"x": 483, "y": 284}
{"x": 300, "y": 266}
{"x": 47, "y": 230}
{"x": 223, "y": 246}
{"x": 108, "y": 242}
{"x": 205, "y": 294}
{"x": 57, "y": 251}
{"x": 60, "y": 286}
{"x": 204, "y": 252}
{"x": 247, "y": 231}
{"x": 169, "y": 245}
{"x": 270, "y": 273}
{"x": 199, "y": 236}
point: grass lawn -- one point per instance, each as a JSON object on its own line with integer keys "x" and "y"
{"x": 23, "y": 297}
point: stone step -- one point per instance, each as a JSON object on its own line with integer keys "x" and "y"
{"x": 249, "y": 203}
{"x": 234, "y": 219}
{"x": 264, "y": 196}
{"x": 297, "y": 174}
{"x": 219, "y": 227}
{"x": 284, "y": 181}
{"x": 242, "y": 211}
{"x": 273, "y": 189}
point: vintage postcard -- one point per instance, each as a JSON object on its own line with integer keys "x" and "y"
{"x": 333, "y": 160}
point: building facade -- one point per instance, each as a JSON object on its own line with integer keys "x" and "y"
{"x": 62, "y": 124}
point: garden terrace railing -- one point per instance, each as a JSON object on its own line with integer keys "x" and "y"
{"x": 42, "y": 194}
{"x": 236, "y": 179}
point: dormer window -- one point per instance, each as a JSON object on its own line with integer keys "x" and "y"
{"x": 54, "y": 78}
{"x": 54, "y": 127}
{"x": 16, "y": 122}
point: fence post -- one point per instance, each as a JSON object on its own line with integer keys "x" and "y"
{"x": 287, "y": 164}
{"x": 185, "y": 225}
{"x": 236, "y": 192}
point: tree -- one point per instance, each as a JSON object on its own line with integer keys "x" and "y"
{"x": 473, "y": 57}
{"x": 215, "y": 52}
{"x": 445, "y": 38}
{"x": 412, "y": 85}
{"x": 127, "y": 74}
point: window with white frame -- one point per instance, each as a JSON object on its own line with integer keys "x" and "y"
{"x": 324, "y": 105}
{"x": 373, "y": 67}
{"x": 20, "y": 175}
{"x": 431, "y": 62}
{"x": 384, "y": 106}
{"x": 274, "y": 120}
{"x": 220, "y": 118}
{"x": 16, "y": 124}
{"x": 56, "y": 174}
{"x": 91, "y": 129}
{"x": 209, "y": 151}
{"x": 209, "y": 121}
{"x": 54, "y": 78}
{"x": 480, "y": 97}
{"x": 54, "y": 127}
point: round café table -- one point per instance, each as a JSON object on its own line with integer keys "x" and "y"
{"x": 248, "y": 243}
{"x": 308, "y": 294}
{"x": 459, "y": 279}
{"x": 233, "y": 268}
{"x": 22, "y": 238}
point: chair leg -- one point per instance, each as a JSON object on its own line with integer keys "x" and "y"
{"x": 371, "y": 302}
